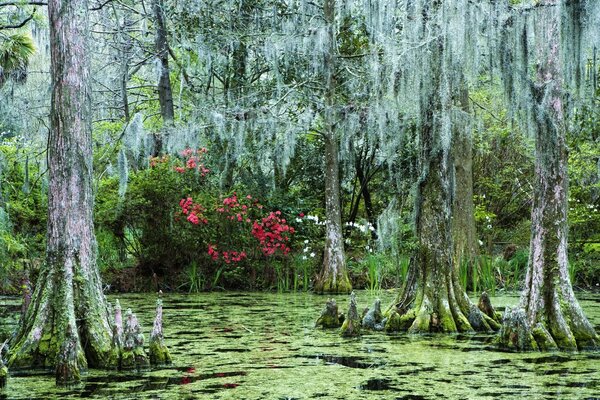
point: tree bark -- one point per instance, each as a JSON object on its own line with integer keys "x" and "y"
{"x": 549, "y": 316}
{"x": 68, "y": 309}
{"x": 334, "y": 274}
{"x": 432, "y": 299}
{"x": 464, "y": 234}
{"x": 165, "y": 93}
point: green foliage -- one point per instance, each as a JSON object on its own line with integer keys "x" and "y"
{"x": 22, "y": 217}
{"x": 15, "y": 51}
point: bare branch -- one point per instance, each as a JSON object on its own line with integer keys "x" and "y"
{"x": 20, "y": 24}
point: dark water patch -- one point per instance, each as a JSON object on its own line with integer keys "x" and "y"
{"x": 516, "y": 386}
{"x": 590, "y": 384}
{"x": 470, "y": 349}
{"x": 501, "y": 361}
{"x": 376, "y": 384}
{"x": 560, "y": 371}
{"x": 231, "y": 350}
{"x": 157, "y": 382}
{"x": 463, "y": 373}
{"x": 346, "y": 361}
{"x": 412, "y": 397}
{"x": 547, "y": 360}
{"x": 417, "y": 371}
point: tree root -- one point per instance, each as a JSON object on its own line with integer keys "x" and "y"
{"x": 330, "y": 318}
{"x": 441, "y": 317}
{"x": 351, "y": 326}
{"x": 373, "y": 318}
{"x": 159, "y": 353}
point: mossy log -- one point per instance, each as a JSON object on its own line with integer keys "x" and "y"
{"x": 159, "y": 353}
{"x": 330, "y": 317}
{"x": 352, "y": 324}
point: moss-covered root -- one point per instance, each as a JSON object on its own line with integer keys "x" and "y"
{"x": 516, "y": 334}
{"x": 330, "y": 283}
{"x": 486, "y": 307}
{"x": 132, "y": 354}
{"x": 159, "y": 353}
{"x": 330, "y": 317}
{"x": 351, "y": 326}
{"x": 67, "y": 364}
{"x": 373, "y": 318}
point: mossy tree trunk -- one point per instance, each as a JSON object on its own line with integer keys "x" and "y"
{"x": 68, "y": 305}
{"x": 554, "y": 319}
{"x": 432, "y": 299}
{"x": 464, "y": 233}
{"x": 334, "y": 274}
{"x": 165, "y": 92}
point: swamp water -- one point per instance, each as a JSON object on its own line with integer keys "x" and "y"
{"x": 264, "y": 346}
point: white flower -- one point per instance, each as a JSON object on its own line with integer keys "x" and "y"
{"x": 480, "y": 243}
{"x": 304, "y": 258}
{"x": 306, "y": 241}
{"x": 312, "y": 255}
{"x": 305, "y": 250}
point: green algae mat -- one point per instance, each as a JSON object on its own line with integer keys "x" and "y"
{"x": 264, "y": 346}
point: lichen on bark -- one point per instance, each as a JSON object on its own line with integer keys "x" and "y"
{"x": 549, "y": 316}
{"x": 68, "y": 307}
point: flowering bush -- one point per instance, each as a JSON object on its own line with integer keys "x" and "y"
{"x": 239, "y": 231}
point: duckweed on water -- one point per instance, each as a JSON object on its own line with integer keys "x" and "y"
{"x": 265, "y": 346}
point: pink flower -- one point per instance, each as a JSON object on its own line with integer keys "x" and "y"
{"x": 193, "y": 218}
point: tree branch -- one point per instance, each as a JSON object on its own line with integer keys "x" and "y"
{"x": 23, "y": 3}
{"x": 20, "y": 24}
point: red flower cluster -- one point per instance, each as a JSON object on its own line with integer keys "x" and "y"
{"x": 194, "y": 211}
{"x": 227, "y": 256}
{"x": 192, "y": 161}
{"x": 273, "y": 233}
{"x": 236, "y": 210}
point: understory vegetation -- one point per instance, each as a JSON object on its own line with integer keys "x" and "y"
{"x": 219, "y": 181}
{"x": 147, "y": 239}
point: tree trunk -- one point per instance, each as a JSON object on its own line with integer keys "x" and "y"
{"x": 334, "y": 275}
{"x": 549, "y": 316}
{"x": 67, "y": 324}
{"x": 165, "y": 93}
{"x": 432, "y": 299}
{"x": 464, "y": 234}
